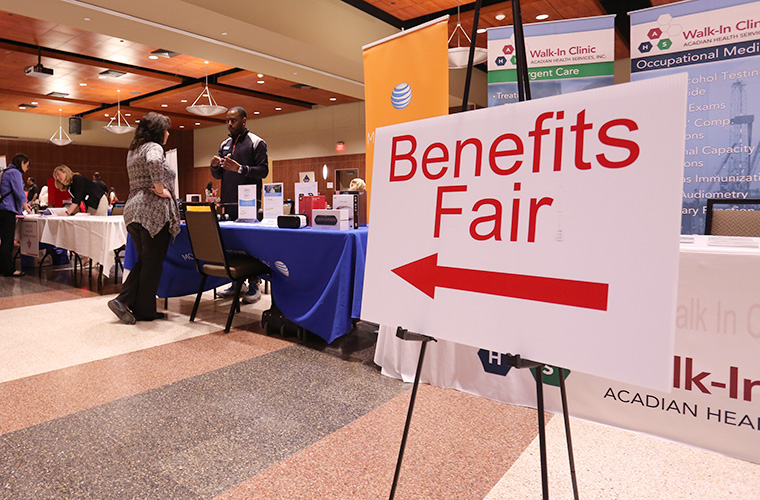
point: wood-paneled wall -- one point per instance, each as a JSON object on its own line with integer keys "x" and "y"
{"x": 286, "y": 171}
{"x": 109, "y": 161}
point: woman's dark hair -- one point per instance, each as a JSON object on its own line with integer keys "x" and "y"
{"x": 18, "y": 159}
{"x": 210, "y": 185}
{"x": 150, "y": 129}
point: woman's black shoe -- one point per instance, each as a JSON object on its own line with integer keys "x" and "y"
{"x": 121, "y": 311}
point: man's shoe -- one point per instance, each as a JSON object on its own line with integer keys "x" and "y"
{"x": 252, "y": 296}
{"x": 159, "y": 315}
{"x": 121, "y": 311}
{"x": 230, "y": 291}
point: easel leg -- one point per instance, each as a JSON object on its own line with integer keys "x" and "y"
{"x": 408, "y": 420}
{"x": 403, "y": 334}
{"x": 542, "y": 431}
{"x": 566, "y": 415}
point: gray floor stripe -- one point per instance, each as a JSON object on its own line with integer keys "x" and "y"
{"x": 195, "y": 438}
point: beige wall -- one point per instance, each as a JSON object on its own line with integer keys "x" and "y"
{"x": 305, "y": 134}
{"x": 29, "y": 126}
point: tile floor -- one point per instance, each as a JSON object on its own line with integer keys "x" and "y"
{"x": 91, "y": 408}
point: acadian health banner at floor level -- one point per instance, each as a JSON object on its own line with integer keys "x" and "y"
{"x": 718, "y": 43}
{"x": 563, "y": 56}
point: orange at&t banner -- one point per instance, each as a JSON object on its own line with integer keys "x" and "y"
{"x": 406, "y": 78}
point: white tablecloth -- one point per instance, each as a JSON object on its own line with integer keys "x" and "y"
{"x": 715, "y": 400}
{"x": 92, "y": 236}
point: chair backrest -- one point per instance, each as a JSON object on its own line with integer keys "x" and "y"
{"x": 118, "y": 208}
{"x": 742, "y": 219}
{"x": 203, "y": 229}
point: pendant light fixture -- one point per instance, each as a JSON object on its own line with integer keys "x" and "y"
{"x": 60, "y": 138}
{"x": 210, "y": 109}
{"x": 459, "y": 56}
{"x": 122, "y": 125}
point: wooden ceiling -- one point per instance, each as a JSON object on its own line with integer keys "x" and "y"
{"x": 169, "y": 84}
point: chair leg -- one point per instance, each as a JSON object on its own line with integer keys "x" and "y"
{"x": 198, "y": 298}
{"x": 235, "y": 305}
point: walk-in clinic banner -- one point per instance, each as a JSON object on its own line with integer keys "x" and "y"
{"x": 509, "y": 229}
{"x": 717, "y": 42}
{"x": 406, "y": 77}
{"x": 563, "y": 56}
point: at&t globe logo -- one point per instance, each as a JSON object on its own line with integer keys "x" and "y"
{"x": 401, "y": 95}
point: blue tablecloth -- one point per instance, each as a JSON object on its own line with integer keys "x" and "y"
{"x": 317, "y": 276}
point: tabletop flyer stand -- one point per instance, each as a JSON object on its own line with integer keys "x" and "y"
{"x": 516, "y": 361}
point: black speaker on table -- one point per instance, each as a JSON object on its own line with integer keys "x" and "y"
{"x": 75, "y": 125}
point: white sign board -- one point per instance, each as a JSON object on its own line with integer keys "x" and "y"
{"x": 273, "y": 200}
{"x": 548, "y": 228}
{"x": 30, "y": 237}
{"x": 247, "y": 209}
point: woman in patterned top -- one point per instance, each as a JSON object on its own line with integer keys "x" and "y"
{"x": 151, "y": 217}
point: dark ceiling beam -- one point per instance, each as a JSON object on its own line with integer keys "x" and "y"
{"x": 411, "y": 23}
{"x": 260, "y": 95}
{"x": 61, "y": 55}
{"x": 37, "y": 97}
{"x": 172, "y": 114}
{"x": 376, "y": 13}
{"x": 621, "y": 8}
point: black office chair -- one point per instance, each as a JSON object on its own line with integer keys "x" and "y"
{"x": 211, "y": 259}
{"x": 118, "y": 209}
{"x": 727, "y": 222}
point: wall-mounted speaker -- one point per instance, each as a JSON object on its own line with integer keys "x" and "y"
{"x": 75, "y": 125}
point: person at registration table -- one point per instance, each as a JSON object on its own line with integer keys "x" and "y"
{"x": 12, "y": 202}
{"x": 151, "y": 217}
{"x": 242, "y": 159}
{"x": 81, "y": 190}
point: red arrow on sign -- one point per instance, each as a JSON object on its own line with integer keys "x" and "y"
{"x": 425, "y": 274}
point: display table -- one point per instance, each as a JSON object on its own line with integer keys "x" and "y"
{"x": 88, "y": 235}
{"x": 715, "y": 401}
{"x": 317, "y": 276}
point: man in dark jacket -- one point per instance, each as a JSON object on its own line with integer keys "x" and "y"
{"x": 242, "y": 159}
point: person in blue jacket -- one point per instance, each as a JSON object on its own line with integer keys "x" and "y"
{"x": 12, "y": 202}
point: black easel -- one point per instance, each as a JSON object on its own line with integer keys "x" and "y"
{"x": 523, "y": 86}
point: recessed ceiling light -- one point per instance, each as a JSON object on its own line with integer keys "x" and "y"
{"x": 257, "y": 112}
{"x": 278, "y": 109}
{"x": 183, "y": 100}
{"x": 481, "y": 31}
{"x": 333, "y": 98}
{"x": 127, "y": 114}
{"x": 153, "y": 57}
{"x": 197, "y": 123}
{"x": 181, "y": 126}
{"x": 259, "y": 81}
{"x": 164, "y": 105}
{"x": 106, "y": 115}
{"x": 86, "y": 18}
{"x": 137, "y": 121}
{"x": 224, "y": 33}
{"x": 261, "y": 75}
{"x": 500, "y": 17}
{"x": 35, "y": 103}
{"x": 82, "y": 84}
{"x": 541, "y": 17}
{"x": 22, "y": 107}
{"x": 102, "y": 77}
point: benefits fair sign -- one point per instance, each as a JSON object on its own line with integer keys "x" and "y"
{"x": 548, "y": 228}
